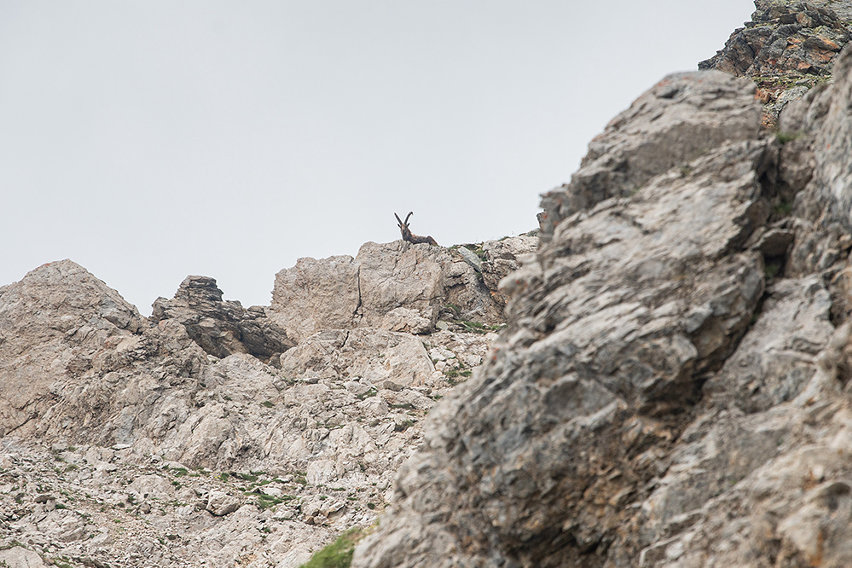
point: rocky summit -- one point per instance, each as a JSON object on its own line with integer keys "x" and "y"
{"x": 659, "y": 376}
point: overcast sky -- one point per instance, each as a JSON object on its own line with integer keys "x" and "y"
{"x": 149, "y": 140}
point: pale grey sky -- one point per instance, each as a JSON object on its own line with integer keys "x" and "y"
{"x": 149, "y": 140}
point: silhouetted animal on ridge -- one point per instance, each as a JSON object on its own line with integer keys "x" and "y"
{"x": 407, "y": 235}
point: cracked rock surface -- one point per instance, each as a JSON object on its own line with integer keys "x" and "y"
{"x": 673, "y": 388}
{"x": 203, "y": 435}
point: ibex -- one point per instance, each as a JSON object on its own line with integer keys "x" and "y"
{"x": 407, "y": 235}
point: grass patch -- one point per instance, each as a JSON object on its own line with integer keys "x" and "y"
{"x": 339, "y": 553}
{"x": 456, "y": 372}
{"x": 265, "y": 501}
{"x": 783, "y": 208}
{"x": 267, "y": 404}
{"x": 477, "y": 327}
{"x": 368, "y": 394}
{"x": 783, "y": 137}
{"x": 771, "y": 268}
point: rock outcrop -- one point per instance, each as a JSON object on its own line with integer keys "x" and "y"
{"x": 673, "y": 387}
{"x": 394, "y": 286}
{"x": 138, "y": 442}
{"x": 681, "y": 118}
{"x": 221, "y": 328}
{"x": 786, "y": 48}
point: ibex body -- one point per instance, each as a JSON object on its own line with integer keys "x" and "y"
{"x": 410, "y": 237}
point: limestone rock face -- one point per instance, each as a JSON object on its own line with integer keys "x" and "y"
{"x": 221, "y": 328}
{"x": 503, "y": 257}
{"x": 673, "y": 388}
{"x": 56, "y": 324}
{"x": 395, "y": 286}
{"x": 682, "y": 117}
{"x": 823, "y": 121}
{"x": 139, "y": 442}
{"x": 316, "y": 295}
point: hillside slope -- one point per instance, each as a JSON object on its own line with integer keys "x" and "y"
{"x": 217, "y": 435}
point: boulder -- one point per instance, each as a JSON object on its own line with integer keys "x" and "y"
{"x": 317, "y": 294}
{"x": 220, "y": 503}
{"x": 20, "y": 557}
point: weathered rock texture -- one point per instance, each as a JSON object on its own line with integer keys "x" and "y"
{"x": 171, "y": 441}
{"x": 674, "y": 387}
{"x": 681, "y": 118}
{"x": 786, "y": 48}
{"x": 221, "y": 328}
{"x": 395, "y": 286}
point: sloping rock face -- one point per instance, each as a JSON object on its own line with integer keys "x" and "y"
{"x": 674, "y": 387}
{"x": 394, "y": 286}
{"x": 60, "y": 323}
{"x": 681, "y": 118}
{"x": 787, "y": 48}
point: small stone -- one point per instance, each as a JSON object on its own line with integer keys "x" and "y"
{"x": 470, "y": 257}
{"x": 220, "y": 503}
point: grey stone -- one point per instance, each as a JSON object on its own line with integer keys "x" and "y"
{"x": 470, "y": 257}
{"x": 220, "y": 503}
{"x": 20, "y": 557}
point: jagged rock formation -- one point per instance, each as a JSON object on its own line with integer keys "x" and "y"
{"x": 674, "y": 387}
{"x": 139, "y": 442}
{"x": 221, "y": 328}
{"x": 786, "y": 48}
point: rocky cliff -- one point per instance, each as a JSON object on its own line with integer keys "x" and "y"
{"x": 218, "y": 435}
{"x": 670, "y": 385}
{"x": 673, "y": 388}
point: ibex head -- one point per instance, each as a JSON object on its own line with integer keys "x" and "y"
{"x": 403, "y": 226}
{"x": 407, "y": 234}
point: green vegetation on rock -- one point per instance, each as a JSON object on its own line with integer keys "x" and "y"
{"x": 339, "y": 553}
